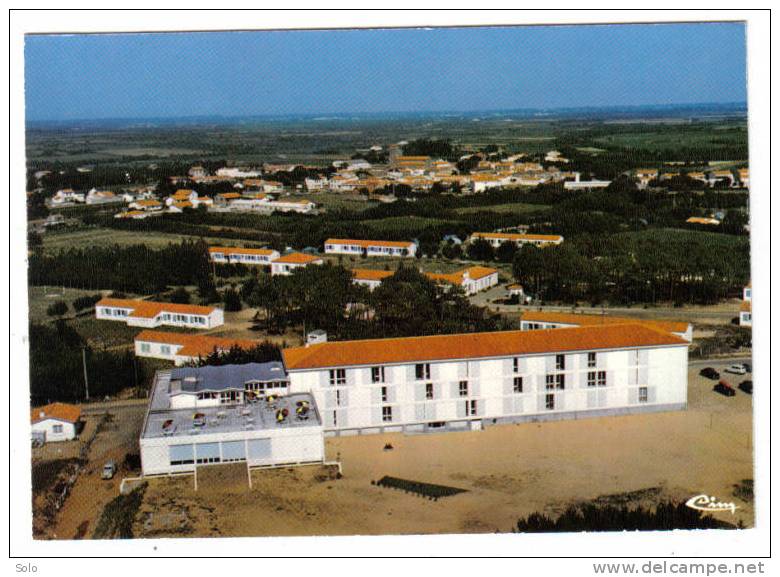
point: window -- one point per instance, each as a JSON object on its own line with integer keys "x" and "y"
{"x": 463, "y": 388}
{"x": 550, "y": 382}
{"x": 592, "y": 378}
{"x": 384, "y": 394}
{"x": 165, "y": 349}
{"x": 471, "y": 408}
{"x": 145, "y": 347}
{"x": 517, "y": 386}
{"x": 387, "y": 414}
{"x": 338, "y": 398}
{"x": 516, "y": 365}
{"x": 377, "y": 374}
{"x": 57, "y": 429}
{"x": 228, "y": 397}
{"x": 422, "y": 371}
{"x": 560, "y": 362}
{"x": 642, "y": 394}
{"x": 338, "y": 376}
{"x": 602, "y": 378}
{"x": 549, "y": 401}
{"x": 591, "y": 360}
{"x": 560, "y": 382}
{"x": 429, "y": 391}
{"x": 335, "y": 419}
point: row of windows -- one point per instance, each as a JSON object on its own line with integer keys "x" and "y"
{"x": 422, "y": 371}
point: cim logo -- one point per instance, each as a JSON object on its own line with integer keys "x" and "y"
{"x": 709, "y": 504}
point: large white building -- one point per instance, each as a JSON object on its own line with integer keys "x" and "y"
{"x": 228, "y": 414}
{"x": 370, "y": 247}
{"x": 236, "y": 255}
{"x": 496, "y": 239}
{"x": 466, "y": 381}
{"x": 151, "y": 314}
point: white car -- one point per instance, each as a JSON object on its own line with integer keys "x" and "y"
{"x": 736, "y": 370}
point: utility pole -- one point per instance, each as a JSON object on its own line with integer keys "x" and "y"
{"x": 84, "y": 362}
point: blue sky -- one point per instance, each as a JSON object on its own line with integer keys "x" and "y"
{"x": 321, "y": 72}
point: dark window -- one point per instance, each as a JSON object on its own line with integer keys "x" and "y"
{"x": 517, "y": 386}
{"x": 592, "y": 379}
{"x": 602, "y": 378}
{"x": 422, "y": 371}
{"x": 463, "y": 388}
{"x": 387, "y": 414}
{"x": 471, "y": 408}
{"x": 549, "y": 402}
{"x": 428, "y": 391}
{"x": 550, "y": 382}
{"x": 560, "y": 382}
{"x": 591, "y": 360}
{"x": 560, "y": 362}
{"x": 516, "y": 365}
{"x": 377, "y": 374}
{"x": 384, "y": 394}
{"x": 642, "y": 394}
{"x": 338, "y": 377}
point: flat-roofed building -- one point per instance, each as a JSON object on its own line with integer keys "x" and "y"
{"x": 536, "y": 320}
{"x": 238, "y": 255}
{"x": 496, "y": 239}
{"x": 467, "y": 381}
{"x": 370, "y": 247}
{"x": 182, "y": 348}
{"x": 287, "y": 263}
{"x": 228, "y": 414}
{"x": 151, "y": 314}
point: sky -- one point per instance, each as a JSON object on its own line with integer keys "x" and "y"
{"x": 77, "y": 77}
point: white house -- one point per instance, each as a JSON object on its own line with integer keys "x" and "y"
{"x": 537, "y": 320}
{"x": 95, "y": 196}
{"x": 150, "y": 314}
{"x": 237, "y": 255}
{"x": 496, "y": 239}
{"x": 182, "y": 348}
{"x": 66, "y": 196}
{"x": 55, "y": 422}
{"x": 288, "y": 263}
{"x": 467, "y": 381}
{"x": 473, "y": 279}
{"x": 746, "y": 307}
{"x": 228, "y": 414}
{"x": 370, "y": 247}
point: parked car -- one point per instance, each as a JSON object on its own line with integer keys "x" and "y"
{"x": 748, "y": 367}
{"x": 746, "y": 387}
{"x": 736, "y": 369}
{"x": 710, "y": 373}
{"x": 724, "y": 388}
{"x": 109, "y": 470}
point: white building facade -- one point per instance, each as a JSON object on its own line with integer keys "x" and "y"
{"x": 359, "y": 390}
{"x": 149, "y": 314}
{"x": 370, "y": 247}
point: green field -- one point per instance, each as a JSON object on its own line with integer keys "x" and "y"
{"x": 512, "y": 207}
{"x": 84, "y": 238}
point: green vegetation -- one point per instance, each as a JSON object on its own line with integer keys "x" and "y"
{"x": 604, "y": 517}
{"x": 116, "y": 521}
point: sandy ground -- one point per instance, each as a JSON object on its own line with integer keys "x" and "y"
{"x": 90, "y": 494}
{"x": 508, "y": 472}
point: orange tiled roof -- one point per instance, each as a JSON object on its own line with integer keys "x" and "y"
{"x": 475, "y": 345}
{"x": 149, "y": 202}
{"x": 590, "y": 320}
{"x": 367, "y": 243}
{"x": 238, "y": 250}
{"x": 297, "y": 258}
{"x": 371, "y": 274}
{"x": 150, "y": 309}
{"x": 58, "y": 411}
{"x": 746, "y": 306}
{"x": 194, "y": 345}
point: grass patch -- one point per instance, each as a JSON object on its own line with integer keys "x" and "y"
{"x": 116, "y": 521}
{"x": 507, "y": 208}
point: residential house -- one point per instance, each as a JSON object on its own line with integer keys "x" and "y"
{"x": 287, "y": 263}
{"x": 55, "y": 422}
{"x": 151, "y": 314}
{"x": 541, "y": 320}
{"x": 237, "y": 255}
{"x": 182, "y": 348}
{"x": 496, "y": 239}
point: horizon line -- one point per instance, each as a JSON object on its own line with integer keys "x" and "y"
{"x": 583, "y": 108}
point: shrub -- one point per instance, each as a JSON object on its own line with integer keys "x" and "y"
{"x": 57, "y": 309}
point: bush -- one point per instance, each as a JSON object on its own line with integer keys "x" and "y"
{"x": 85, "y": 302}
{"x": 57, "y": 309}
{"x": 232, "y": 300}
{"x": 181, "y": 296}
